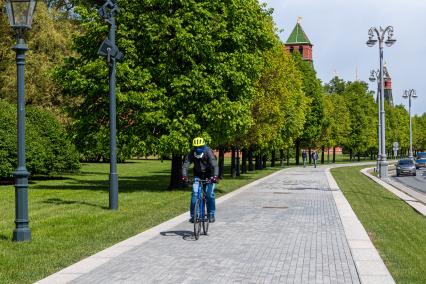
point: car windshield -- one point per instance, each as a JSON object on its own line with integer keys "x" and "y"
{"x": 421, "y": 156}
{"x": 406, "y": 162}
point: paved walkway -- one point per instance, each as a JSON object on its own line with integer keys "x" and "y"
{"x": 285, "y": 228}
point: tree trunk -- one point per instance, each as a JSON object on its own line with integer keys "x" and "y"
{"x": 238, "y": 163}
{"x": 334, "y": 155}
{"x": 233, "y": 170}
{"x": 176, "y": 171}
{"x": 288, "y": 157}
{"x": 281, "y": 158}
{"x": 264, "y": 159}
{"x": 322, "y": 155}
{"x": 359, "y": 157}
{"x": 273, "y": 158}
{"x": 297, "y": 145}
{"x": 244, "y": 162}
{"x": 310, "y": 156}
{"x": 258, "y": 165}
{"x": 350, "y": 155}
{"x": 328, "y": 155}
{"x": 250, "y": 160}
{"x": 221, "y": 162}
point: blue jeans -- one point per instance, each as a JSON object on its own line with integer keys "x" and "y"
{"x": 210, "y": 197}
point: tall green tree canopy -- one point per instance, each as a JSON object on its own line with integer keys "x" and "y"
{"x": 189, "y": 69}
{"x": 397, "y": 126}
{"x": 315, "y": 113}
{"x": 48, "y": 41}
{"x": 279, "y": 106}
{"x": 363, "y": 118}
{"x": 337, "y": 128}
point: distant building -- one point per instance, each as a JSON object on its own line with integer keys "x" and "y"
{"x": 388, "y": 85}
{"x": 298, "y": 41}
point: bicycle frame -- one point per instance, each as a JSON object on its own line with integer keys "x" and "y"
{"x": 200, "y": 218}
{"x": 201, "y": 195}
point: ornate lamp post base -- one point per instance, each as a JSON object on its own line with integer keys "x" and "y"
{"x": 383, "y": 169}
{"x": 22, "y": 235}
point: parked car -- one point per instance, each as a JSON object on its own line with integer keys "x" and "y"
{"x": 420, "y": 160}
{"x": 405, "y": 166}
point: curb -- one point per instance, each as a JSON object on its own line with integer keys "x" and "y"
{"x": 410, "y": 199}
{"x": 369, "y": 264}
{"x": 88, "y": 264}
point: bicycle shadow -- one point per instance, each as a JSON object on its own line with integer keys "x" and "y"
{"x": 186, "y": 235}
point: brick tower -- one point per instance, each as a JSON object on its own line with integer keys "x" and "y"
{"x": 388, "y": 85}
{"x": 298, "y": 41}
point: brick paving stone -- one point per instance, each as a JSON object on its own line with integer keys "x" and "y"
{"x": 285, "y": 229}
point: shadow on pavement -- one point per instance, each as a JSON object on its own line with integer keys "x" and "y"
{"x": 311, "y": 188}
{"x": 186, "y": 235}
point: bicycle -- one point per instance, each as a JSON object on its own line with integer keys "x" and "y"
{"x": 200, "y": 217}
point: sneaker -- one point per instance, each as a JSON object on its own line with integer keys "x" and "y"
{"x": 211, "y": 219}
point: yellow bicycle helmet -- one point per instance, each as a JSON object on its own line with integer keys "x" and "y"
{"x": 198, "y": 142}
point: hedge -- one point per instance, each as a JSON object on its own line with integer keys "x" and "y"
{"x": 48, "y": 148}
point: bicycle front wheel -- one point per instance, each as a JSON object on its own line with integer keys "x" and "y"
{"x": 197, "y": 219}
{"x": 205, "y": 219}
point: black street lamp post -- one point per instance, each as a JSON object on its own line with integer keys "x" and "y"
{"x": 109, "y": 50}
{"x": 380, "y": 35}
{"x": 408, "y": 94}
{"x": 20, "y": 14}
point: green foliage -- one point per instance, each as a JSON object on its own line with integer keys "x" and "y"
{"x": 48, "y": 42}
{"x": 335, "y": 86}
{"x": 363, "y": 118}
{"x": 315, "y": 112}
{"x": 397, "y": 126}
{"x": 190, "y": 68}
{"x": 419, "y": 133}
{"x": 47, "y": 148}
{"x": 279, "y": 106}
{"x": 337, "y": 121}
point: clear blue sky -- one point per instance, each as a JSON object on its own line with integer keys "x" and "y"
{"x": 338, "y": 29}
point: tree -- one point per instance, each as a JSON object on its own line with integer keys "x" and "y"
{"x": 363, "y": 118}
{"x": 335, "y": 86}
{"x": 397, "y": 127}
{"x": 279, "y": 106}
{"x": 315, "y": 112}
{"x": 49, "y": 41}
{"x": 189, "y": 70}
{"x": 337, "y": 126}
{"x": 48, "y": 150}
{"x": 419, "y": 136}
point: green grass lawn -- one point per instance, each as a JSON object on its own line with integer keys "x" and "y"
{"x": 70, "y": 220}
{"x": 397, "y": 231}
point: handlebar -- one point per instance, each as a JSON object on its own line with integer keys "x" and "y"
{"x": 207, "y": 180}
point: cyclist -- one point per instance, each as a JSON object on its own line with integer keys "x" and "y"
{"x": 205, "y": 167}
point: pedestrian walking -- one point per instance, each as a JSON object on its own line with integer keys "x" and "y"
{"x": 315, "y": 157}
{"x": 304, "y": 158}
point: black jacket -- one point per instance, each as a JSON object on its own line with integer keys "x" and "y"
{"x": 204, "y": 167}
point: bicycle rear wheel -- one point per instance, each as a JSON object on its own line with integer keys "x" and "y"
{"x": 205, "y": 219}
{"x": 197, "y": 219}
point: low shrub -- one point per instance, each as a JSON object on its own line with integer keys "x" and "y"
{"x": 48, "y": 148}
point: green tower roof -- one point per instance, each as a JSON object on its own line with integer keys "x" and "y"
{"x": 298, "y": 36}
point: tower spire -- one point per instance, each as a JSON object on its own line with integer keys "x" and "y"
{"x": 298, "y": 41}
